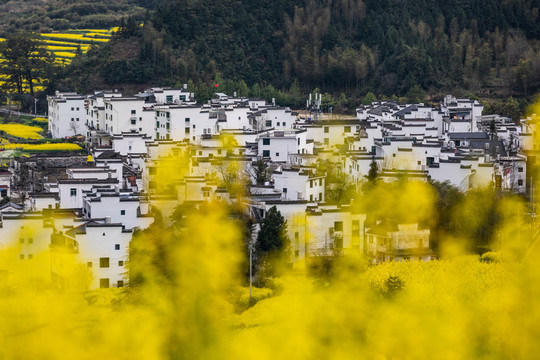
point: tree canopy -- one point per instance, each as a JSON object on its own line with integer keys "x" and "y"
{"x": 26, "y": 63}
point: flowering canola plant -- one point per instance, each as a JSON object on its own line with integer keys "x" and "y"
{"x": 183, "y": 277}
{"x": 22, "y": 131}
{"x": 42, "y": 147}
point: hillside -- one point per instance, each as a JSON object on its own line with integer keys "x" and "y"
{"x": 389, "y": 47}
{"x": 49, "y": 15}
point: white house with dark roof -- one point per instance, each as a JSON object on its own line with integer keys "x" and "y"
{"x": 96, "y": 250}
{"x": 5, "y": 182}
{"x": 299, "y": 184}
{"x": 389, "y": 241}
{"x": 278, "y": 144}
{"x": 67, "y": 114}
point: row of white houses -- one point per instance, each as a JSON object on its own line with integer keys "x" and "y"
{"x": 160, "y": 149}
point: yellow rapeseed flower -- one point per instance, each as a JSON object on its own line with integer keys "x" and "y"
{"x": 22, "y": 131}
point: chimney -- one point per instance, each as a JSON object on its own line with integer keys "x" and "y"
{"x": 185, "y": 86}
{"x": 107, "y": 219}
{"x": 234, "y": 94}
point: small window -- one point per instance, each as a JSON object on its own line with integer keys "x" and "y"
{"x": 284, "y": 190}
{"x": 120, "y": 283}
{"x": 104, "y": 262}
{"x": 122, "y": 212}
{"x": 21, "y": 241}
{"x": 133, "y": 112}
{"x": 121, "y": 263}
{"x": 21, "y": 256}
{"x": 296, "y": 253}
{"x": 72, "y": 109}
{"x": 326, "y": 141}
{"x": 219, "y": 151}
{"x": 77, "y": 109}
{"x": 187, "y": 119}
{"x": 326, "y": 129}
{"x": 30, "y": 240}
{"x": 133, "y": 121}
{"x": 347, "y": 129}
{"x": 266, "y": 141}
{"x": 77, "y": 119}
{"x": 338, "y": 225}
{"x": 116, "y": 246}
{"x": 296, "y": 235}
{"x": 520, "y": 182}
{"x": 104, "y": 283}
{"x": 520, "y": 169}
{"x": 277, "y": 154}
{"x": 89, "y": 264}
{"x": 72, "y": 119}
{"x": 73, "y": 192}
{"x": 266, "y": 153}
{"x": 269, "y": 123}
{"x": 310, "y": 183}
{"x": 277, "y": 123}
{"x": 30, "y": 256}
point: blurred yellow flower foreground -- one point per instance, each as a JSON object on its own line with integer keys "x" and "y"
{"x": 185, "y": 289}
{"x": 181, "y": 307}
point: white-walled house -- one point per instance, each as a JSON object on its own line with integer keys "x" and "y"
{"x": 100, "y": 248}
{"x": 5, "y": 182}
{"x": 71, "y": 193}
{"x": 67, "y": 115}
{"x": 299, "y": 184}
{"x": 278, "y": 144}
{"x": 125, "y": 114}
{"x": 120, "y": 207}
{"x": 398, "y": 242}
{"x": 130, "y": 143}
{"x": 334, "y": 228}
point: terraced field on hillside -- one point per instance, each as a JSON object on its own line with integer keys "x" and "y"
{"x": 64, "y": 46}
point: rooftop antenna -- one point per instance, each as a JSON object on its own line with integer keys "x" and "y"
{"x": 315, "y": 106}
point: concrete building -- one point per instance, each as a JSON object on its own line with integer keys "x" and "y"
{"x": 67, "y": 115}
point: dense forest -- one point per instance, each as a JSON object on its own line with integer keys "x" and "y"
{"x": 347, "y": 48}
{"x": 49, "y": 15}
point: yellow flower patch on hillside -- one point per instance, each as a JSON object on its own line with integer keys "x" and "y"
{"x": 64, "y": 54}
{"x": 22, "y": 131}
{"x": 42, "y": 147}
{"x": 41, "y": 119}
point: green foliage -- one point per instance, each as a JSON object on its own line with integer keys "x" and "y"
{"x": 32, "y": 15}
{"x": 261, "y": 172}
{"x": 26, "y": 61}
{"x": 393, "y": 286}
{"x": 272, "y": 245}
{"x": 359, "y": 47}
{"x": 369, "y": 98}
{"x": 373, "y": 172}
{"x": 490, "y": 257}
